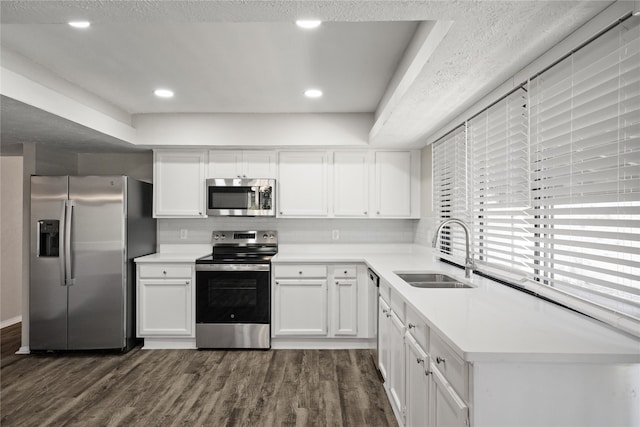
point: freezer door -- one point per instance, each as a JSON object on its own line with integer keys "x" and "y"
{"x": 47, "y": 292}
{"x": 97, "y": 289}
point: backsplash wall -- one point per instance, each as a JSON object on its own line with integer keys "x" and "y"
{"x": 291, "y": 231}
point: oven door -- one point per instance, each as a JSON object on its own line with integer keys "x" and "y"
{"x": 233, "y": 293}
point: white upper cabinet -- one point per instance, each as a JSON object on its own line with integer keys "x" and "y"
{"x": 241, "y": 164}
{"x": 302, "y": 184}
{"x": 179, "y": 183}
{"x": 397, "y": 180}
{"x": 351, "y": 183}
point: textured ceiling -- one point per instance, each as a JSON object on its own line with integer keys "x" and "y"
{"x": 246, "y": 56}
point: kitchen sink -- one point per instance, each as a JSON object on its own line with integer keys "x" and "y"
{"x": 432, "y": 281}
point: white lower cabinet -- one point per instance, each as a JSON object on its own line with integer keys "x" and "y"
{"x": 384, "y": 327}
{"x": 417, "y": 384}
{"x": 447, "y": 409}
{"x": 165, "y": 300}
{"x": 300, "y": 307}
{"x": 396, "y": 371}
{"x": 319, "y": 300}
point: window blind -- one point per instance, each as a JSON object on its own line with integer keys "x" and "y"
{"x": 585, "y": 172}
{"x": 498, "y": 139}
{"x": 450, "y": 186}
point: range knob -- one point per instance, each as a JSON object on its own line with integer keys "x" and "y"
{"x": 264, "y": 236}
{"x": 222, "y": 236}
{"x": 216, "y": 237}
{"x": 272, "y": 236}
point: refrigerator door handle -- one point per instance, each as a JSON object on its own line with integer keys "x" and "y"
{"x": 68, "y": 267}
{"x": 61, "y": 251}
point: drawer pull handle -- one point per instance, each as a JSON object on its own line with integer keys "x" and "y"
{"x": 411, "y": 326}
{"x": 440, "y": 360}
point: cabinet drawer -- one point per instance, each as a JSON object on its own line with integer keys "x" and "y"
{"x": 384, "y": 290}
{"x": 452, "y": 367}
{"x": 165, "y": 271}
{"x": 345, "y": 272}
{"x": 417, "y": 327}
{"x": 293, "y": 271}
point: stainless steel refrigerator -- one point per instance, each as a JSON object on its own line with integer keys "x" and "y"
{"x": 85, "y": 232}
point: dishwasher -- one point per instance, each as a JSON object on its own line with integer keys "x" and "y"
{"x": 374, "y": 284}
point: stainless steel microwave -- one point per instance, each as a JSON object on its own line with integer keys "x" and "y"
{"x": 241, "y": 197}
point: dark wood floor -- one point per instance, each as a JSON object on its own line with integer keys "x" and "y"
{"x": 194, "y": 388}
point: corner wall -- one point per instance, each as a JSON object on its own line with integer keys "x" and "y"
{"x": 11, "y": 240}
{"x": 426, "y": 225}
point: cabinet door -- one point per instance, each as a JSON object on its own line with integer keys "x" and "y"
{"x": 300, "y": 307}
{"x": 396, "y": 363}
{"x": 351, "y": 184}
{"x": 302, "y": 184}
{"x": 393, "y": 184}
{"x": 417, "y": 380}
{"x": 344, "y": 307}
{"x": 259, "y": 164}
{"x": 384, "y": 325}
{"x": 225, "y": 164}
{"x": 165, "y": 308}
{"x": 447, "y": 409}
{"x": 179, "y": 184}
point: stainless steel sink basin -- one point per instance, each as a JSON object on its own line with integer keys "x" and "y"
{"x": 432, "y": 280}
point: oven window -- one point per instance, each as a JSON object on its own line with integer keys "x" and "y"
{"x": 233, "y": 297}
{"x": 233, "y": 293}
{"x": 230, "y": 197}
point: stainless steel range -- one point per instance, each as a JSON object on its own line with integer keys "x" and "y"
{"x": 233, "y": 290}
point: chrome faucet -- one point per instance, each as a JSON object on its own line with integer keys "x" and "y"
{"x": 469, "y": 266}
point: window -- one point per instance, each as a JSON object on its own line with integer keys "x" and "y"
{"x": 450, "y": 188}
{"x": 498, "y": 139}
{"x": 554, "y": 181}
{"x": 585, "y": 162}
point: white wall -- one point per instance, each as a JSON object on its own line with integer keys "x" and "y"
{"x": 427, "y": 223}
{"x": 54, "y": 162}
{"x": 135, "y": 165}
{"x": 10, "y": 240}
{"x": 254, "y": 130}
{"x": 291, "y": 231}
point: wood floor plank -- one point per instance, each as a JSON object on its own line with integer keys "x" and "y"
{"x": 194, "y": 388}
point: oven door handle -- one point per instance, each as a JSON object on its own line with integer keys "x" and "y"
{"x": 233, "y": 267}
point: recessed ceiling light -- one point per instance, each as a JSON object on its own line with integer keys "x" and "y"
{"x": 163, "y": 93}
{"x": 313, "y": 93}
{"x": 308, "y": 24}
{"x": 80, "y": 24}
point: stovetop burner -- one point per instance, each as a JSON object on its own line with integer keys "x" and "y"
{"x": 244, "y": 247}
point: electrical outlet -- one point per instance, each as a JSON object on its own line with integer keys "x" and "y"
{"x": 184, "y": 233}
{"x": 335, "y": 234}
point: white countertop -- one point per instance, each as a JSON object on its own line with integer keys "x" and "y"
{"x": 488, "y": 323}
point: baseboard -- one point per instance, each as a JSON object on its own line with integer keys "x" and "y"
{"x": 169, "y": 344}
{"x": 24, "y": 350}
{"x": 10, "y": 322}
{"x": 280, "y": 343}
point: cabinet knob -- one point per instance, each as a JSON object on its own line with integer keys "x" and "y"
{"x": 280, "y": 212}
{"x": 388, "y": 314}
{"x": 440, "y": 360}
{"x": 378, "y": 213}
{"x": 419, "y": 360}
{"x": 164, "y": 272}
{"x": 299, "y": 272}
{"x": 337, "y": 283}
{"x": 385, "y": 311}
{"x": 365, "y": 212}
{"x": 186, "y": 283}
{"x": 427, "y": 373}
{"x": 277, "y": 283}
{"x": 411, "y": 326}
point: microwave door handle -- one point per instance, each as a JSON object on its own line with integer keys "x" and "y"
{"x": 257, "y": 197}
